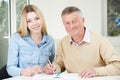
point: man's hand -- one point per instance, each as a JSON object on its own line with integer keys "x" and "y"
{"x": 49, "y": 69}
{"x": 87, "y": 73}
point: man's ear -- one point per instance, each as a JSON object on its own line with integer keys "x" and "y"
{"x": 83, "y": 19}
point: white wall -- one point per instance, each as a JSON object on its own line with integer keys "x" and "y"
{"x": 94, "y": 11}
{"x": 52, "y": 9}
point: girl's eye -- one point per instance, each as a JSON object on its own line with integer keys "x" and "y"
{"x": 37, "y": 18}
{"x": 28, "y": 21}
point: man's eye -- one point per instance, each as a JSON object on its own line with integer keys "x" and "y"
{"x": 75, "y": 21}
{"x": 67, "y": 23}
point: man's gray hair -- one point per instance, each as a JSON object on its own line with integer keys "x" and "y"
{"x": 71, "y": 9}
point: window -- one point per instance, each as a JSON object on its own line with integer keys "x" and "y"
{"x": 113, "y": 17}
{"x": 4, "y": 30}
{"x": 19, "y": 6}
{"x": 110, "y": 21}
{"x": 8, "y": 24}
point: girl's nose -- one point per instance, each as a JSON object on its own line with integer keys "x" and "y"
{"x": 34, "y": 22}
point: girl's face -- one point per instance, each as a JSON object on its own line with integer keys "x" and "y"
{"x": 33, "y": 23}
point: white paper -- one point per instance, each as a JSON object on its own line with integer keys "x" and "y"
{"x": 62, "y": 76}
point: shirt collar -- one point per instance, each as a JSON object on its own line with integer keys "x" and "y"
{"x": 44, "y": 39}
{"x": 86, "y": 37}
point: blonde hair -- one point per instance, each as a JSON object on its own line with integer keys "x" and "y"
{"x": 23, "y": 30}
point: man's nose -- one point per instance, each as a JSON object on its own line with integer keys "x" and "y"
{"x": 72, "y": 25}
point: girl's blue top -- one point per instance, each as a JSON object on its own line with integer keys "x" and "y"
{"x": 23, "y": 53}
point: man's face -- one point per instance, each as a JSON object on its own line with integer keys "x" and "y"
{"x": 74, "y": 24}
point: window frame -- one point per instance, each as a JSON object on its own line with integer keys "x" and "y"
{"x": 113, "y": 39}
{"x": 13, "y": 25}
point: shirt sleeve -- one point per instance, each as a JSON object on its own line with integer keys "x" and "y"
{"x": 13, "y": 56}
{"x": 111, "y": 59}
{"x": 58, "y": 62}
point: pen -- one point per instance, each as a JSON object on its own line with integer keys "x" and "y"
{"x": 51, "y": 65}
